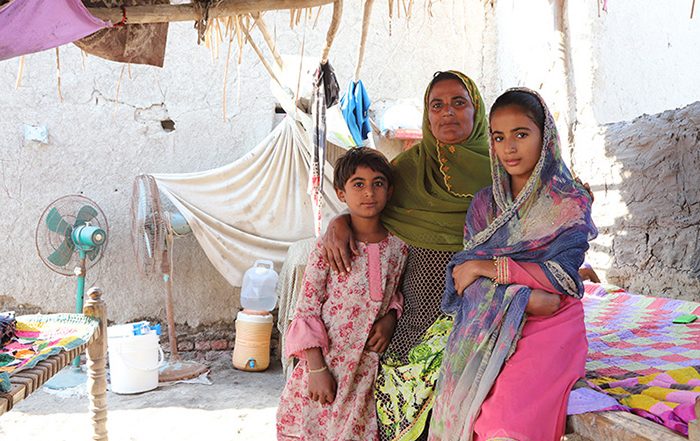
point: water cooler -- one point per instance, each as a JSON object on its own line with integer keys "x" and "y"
{"x": 251, "y": 351}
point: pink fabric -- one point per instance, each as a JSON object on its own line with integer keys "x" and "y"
{"x": 28, "y": 26}
{"x": 375, "y": 272}
{"x": 305, "y": 333}
{"x": 550, "y": 357}
{"x": 396, "y": 303}
{"x": 529, "y": 274}
{"x": 343, "y": 305}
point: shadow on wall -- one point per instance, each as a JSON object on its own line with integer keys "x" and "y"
{"x": 655, "y": 248}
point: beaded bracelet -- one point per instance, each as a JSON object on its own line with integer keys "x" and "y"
{"x": 316, "y": 371}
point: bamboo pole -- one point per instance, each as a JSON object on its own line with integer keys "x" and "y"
{"x": 332, "y": 29}
{"x": 260, "y": 55}
{"x": 165, "y": 13}
{"x": 363, "y": 38}
{"x": 260, "y": 23}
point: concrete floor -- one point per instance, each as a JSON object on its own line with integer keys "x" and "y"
{"x": 236, "y": 406}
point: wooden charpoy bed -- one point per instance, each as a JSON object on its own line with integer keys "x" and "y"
{"x": 625, "y": 426}
{"x": 26, "y": 381}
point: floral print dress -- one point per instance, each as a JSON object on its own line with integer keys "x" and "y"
{"x": 336, "y": 312}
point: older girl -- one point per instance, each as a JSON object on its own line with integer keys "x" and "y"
{"x": 518, "y": 343}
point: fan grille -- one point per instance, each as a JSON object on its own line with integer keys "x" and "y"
{"x": 147, "y": 224}
{"x": 67, "y": 209}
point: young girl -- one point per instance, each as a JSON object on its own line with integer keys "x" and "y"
{"x": 343, "y": 321}
{"x": 518, "y": 343}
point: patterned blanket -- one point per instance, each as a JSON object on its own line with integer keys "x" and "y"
{"x": 37, "y": 337}
{"x": 638, "y": 356}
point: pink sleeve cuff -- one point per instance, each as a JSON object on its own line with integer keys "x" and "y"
{"x": 305, "y": 333}
{"x": 529, "y": 274}
{"x": 396, "y": 303}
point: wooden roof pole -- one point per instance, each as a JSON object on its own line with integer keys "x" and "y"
{"x": 260, "y": 55}
{"x": 332, "y": 29}
{"x": 363, "y": 38}
{"x": 260, "y": 23}
{"x": 164, "y": 13}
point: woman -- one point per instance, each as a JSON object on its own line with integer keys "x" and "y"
{"x": 435, "y": 182}
{"x": 529, "y": 230}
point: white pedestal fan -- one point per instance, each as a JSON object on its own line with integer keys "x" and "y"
{"x": 152, "y": 231}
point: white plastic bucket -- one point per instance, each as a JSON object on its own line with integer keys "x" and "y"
{"x": 134, "y": 362}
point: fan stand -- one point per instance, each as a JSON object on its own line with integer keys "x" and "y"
{"x": 73, "y": 375}
{"x": 176, "y": 369}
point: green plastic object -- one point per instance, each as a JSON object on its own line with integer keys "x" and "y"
{"x": 685, "y": 319}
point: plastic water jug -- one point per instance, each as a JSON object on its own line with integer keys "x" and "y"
{"x": 252, "y": 348}
{"x": 259, "y": 287}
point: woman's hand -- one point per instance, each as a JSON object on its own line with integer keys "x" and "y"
{"x": 466, "y": 273}
{"x": 338, "y": 243}
{"x": 542, "y": 303}
{"x": 322, "y": 386}
{"x": 381, "y": 333}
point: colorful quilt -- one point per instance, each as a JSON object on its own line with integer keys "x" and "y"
{"x": 638, "y": 356}
{"x": 37, "y": 337}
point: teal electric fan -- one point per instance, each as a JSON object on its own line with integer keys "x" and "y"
{"x": 71, "y": 237}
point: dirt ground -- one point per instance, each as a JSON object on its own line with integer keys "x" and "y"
{"x": 236, "y": 406}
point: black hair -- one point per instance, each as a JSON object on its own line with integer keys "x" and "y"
{"x": 346, "y": 165}
{"x": 528, "y": 102}
{"x": 444, "y": 76}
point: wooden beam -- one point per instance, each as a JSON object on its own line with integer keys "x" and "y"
{"x": 225, "y": 8}
{"x": 619, "y": 426}
{"x": 694, "y": 426}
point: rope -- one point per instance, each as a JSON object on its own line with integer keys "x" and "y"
{"x": 20, "y": 71}
{"x": 201, "y": 8}
{"x": 332, "y": 29}
{"x": 58, "y": 75}
{"x": 229, "y": 31}
{"x": 301, "y": 64}
{"x": 363, "y": 39}
{"x": 124, "y": 20}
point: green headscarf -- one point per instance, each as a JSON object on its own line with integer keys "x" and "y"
{"x": 435, "y": 183}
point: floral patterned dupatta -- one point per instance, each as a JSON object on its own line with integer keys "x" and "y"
{"x": 548, "y": 223}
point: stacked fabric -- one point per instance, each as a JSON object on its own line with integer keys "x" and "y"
{"x": 8, "y": 326}
{"x": 37, "y": 337}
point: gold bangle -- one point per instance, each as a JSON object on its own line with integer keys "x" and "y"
{"x": 502, "y": 271}
{"x": 495, "y": 264}
{"x": 316, "y": 371}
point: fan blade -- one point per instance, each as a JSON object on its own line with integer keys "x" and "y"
{"x": 147, "y": 242}
{"x": 85, "y": 215}
{"x": 63, "y": 253}
{"x": 55, "y": 222}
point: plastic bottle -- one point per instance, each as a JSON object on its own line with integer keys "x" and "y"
{"x": 258, "y": 291}
{"x": 137, "y": 328}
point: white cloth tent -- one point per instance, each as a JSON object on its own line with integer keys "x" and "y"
{"x": 255, "y": 207}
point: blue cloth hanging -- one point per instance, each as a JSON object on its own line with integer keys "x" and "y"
{"x": 355, "y": 106}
